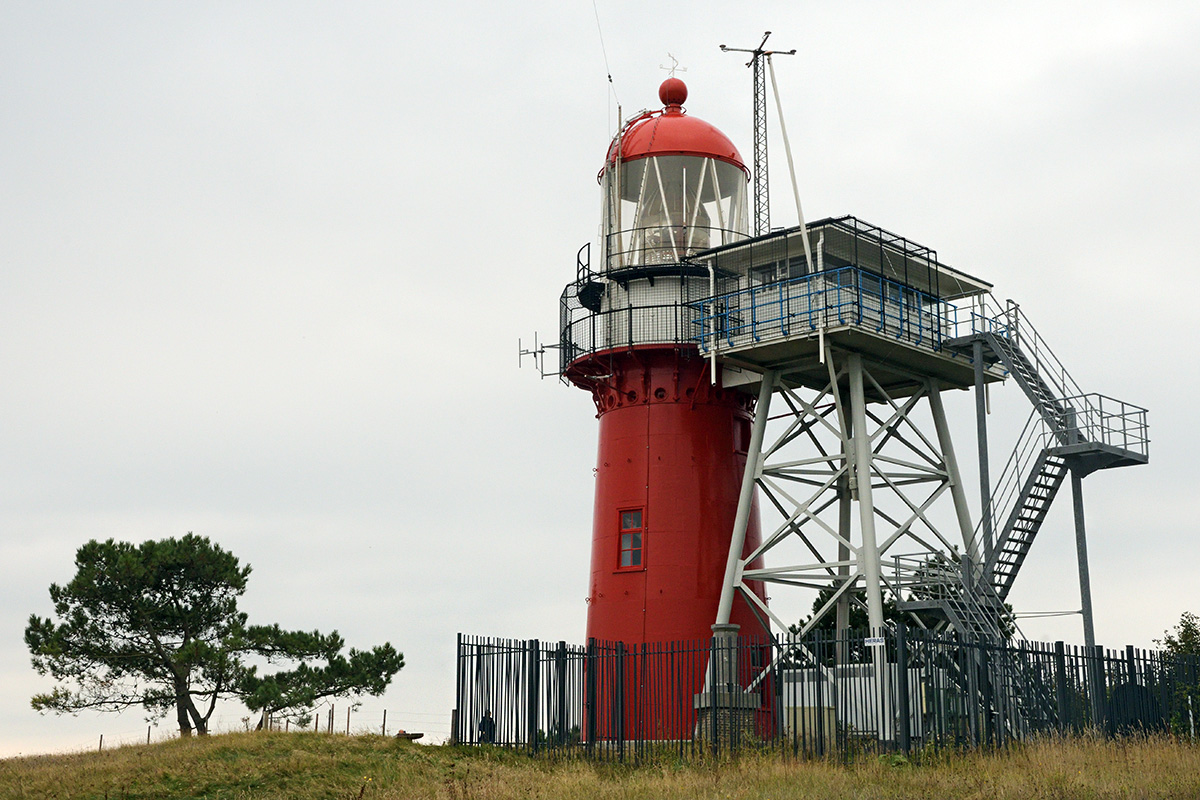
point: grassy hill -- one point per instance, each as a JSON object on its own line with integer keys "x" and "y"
{"x": 310, "y": 765}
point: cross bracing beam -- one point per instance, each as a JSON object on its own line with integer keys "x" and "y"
{"x": 850, "y": 441}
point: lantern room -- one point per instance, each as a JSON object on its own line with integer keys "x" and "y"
{"x": 673, "y": 186}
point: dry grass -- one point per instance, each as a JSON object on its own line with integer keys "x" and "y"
{"x": 304, "y": 766}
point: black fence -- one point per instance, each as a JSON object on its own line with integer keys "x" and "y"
{"x": 818, "y": 696}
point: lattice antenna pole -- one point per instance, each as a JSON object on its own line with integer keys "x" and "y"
{"x": 762, "y": 199}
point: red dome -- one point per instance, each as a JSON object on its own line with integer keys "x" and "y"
{"x": 671, "y": 132}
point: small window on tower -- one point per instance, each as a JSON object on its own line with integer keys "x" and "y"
{"x": 630, "y": 556}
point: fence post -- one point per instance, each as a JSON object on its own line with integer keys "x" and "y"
{"x": 1133, "y": 698}
{"x": 1097, "y": 681}
{"x": 560, "y": 669}
{"x": 714, "y": 659}
{"x": 1060, "y": 685}
{"x": 902, "y": 686}
{"x": 987, "y": 722}
{"x": 619, "y": 705}
{"x": 455, "y": 733}
{"x": 589, "y": 665}
{"x": 534, "y": 651}
{"x": 383, "y": 730}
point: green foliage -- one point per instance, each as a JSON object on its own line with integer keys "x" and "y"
{"x": 858, "y": 611}
{"x": 157, "y": 625}
{"x": 1184, "y": 640}
{"x": 1181, "y": 665}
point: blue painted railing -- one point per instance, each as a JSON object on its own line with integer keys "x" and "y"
{"x": 832, "y": 298}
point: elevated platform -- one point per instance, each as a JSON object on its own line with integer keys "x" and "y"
{"x": 759, "y": 302}
{"x": 900, "y": 368}
{"x": 783, "y": 326}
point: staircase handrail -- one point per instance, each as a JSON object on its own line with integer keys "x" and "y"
{"x": 1009, "y": 322}
{"x": 1100, "y": 419}
{"x": 935, "y": 576}
{"x": 1006, "y": 489}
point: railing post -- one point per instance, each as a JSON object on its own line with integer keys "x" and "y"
{"x": 905, "y": 732}
{"x": 858, "y": 275}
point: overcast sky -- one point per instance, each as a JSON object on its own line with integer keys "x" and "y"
{"x": 263, "y": 268}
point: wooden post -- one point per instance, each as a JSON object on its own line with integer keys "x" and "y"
{"x": 385, "y": 722}
{"x": 101, "y": 743}
{"x": 147, "y": 734}
{"x": 348, "y": 719}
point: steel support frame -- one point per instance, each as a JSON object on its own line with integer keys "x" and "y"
{"x": 855, "y": 452}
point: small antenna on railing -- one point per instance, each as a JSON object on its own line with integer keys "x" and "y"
{"x": 538, "y": 353}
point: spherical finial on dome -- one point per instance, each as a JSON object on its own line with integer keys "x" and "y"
{"x": 673, "y": 92}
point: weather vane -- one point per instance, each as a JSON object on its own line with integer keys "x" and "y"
{"x": 674, "y": 66}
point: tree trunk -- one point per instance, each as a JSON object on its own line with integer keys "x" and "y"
{"x": 189, "y": 717}
{"x": 201, "y": 722}
{"x": 181, "y": 711}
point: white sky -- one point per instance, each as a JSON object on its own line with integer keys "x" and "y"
{"x": 263, "y": 267}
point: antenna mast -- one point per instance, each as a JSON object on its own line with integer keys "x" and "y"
{"x": 762, "y": 208}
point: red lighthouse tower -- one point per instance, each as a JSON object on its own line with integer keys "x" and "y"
{"x": 673, "y": 440}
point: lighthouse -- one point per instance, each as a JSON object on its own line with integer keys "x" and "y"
{"x": 693, "y": 338}
{"x": 673, "y": 440}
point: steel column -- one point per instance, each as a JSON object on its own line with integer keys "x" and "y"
{"x": 868, "y": 558}
{"x": 985, "y": 481}
{"x": 955, "y": 479}
{"x": 869, "y": 552}
{"x": 754, "y": 462}
{"x": 1085, "y": 581}
{"x": 845, "y": 508}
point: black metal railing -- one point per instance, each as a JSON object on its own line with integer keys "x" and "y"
{"x": 822, "y": 695}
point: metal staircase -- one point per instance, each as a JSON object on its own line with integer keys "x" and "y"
{"x": 936, "y": 587}
{"x": 1047, "y": 399}
{"x": 1024, "y": 521}
{"x": 1007, "y": 686}
{"x": 1067, "y": 430}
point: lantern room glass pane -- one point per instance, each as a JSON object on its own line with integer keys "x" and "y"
{"x": 667, "y": 208}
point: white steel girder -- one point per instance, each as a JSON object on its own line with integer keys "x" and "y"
{"x": 849, "y": 443}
